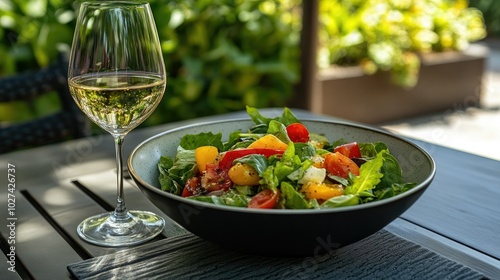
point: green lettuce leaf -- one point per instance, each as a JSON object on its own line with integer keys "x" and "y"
{"x": 166, "y": 182}
{"x": 230, "y": 198}
{"x": 256, "y": 116}
{"x": 370, "y": 150}
{"x": 258, "y": 162}
{"x": 340, "y": 201}
{"x": 269, "y": 179}
{"x": 289, "y": 163}
{"x": 174, "y": 174}
{"x": 292, "y": 198}
{"x": 287, "y": 118}
{"x": 393, "y": 190}
{"x": 234, "y": 142}
{"x": 279, "y": 169}
{"x": 193, "y": 141}
{"x": 304, "y": 150}
{"x": 369, "y": 175}
{"x": 278, "y": 129}
{"x": 392, "y": 172}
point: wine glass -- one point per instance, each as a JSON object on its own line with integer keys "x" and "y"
{"x": 117, "y": 78}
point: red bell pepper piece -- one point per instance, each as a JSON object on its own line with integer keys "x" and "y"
{"x": 230, "y": 156}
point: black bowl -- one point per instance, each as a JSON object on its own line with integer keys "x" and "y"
{"x": 280, "y": 232}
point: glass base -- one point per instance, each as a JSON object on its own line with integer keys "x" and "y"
{"x": 111, "y": 230}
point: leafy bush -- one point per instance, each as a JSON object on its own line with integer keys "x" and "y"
{"x": 33, "y": 32}
{"x": 491, "y": 14}
{"x": 389, "y": 35}
{"x": 220, "y": 55}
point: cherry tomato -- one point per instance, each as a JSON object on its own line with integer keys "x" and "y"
{"x": 215, "y": 178}
{"x": 265, "y": 199}
{"x": 340, "y": 165}
{"x": 192, "y": 187}
{"x": 350, "y": 150}
{"x": 298, "y": 133}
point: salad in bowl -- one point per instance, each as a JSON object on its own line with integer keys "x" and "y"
{"x": 280, "y": 186}
{"x": 279, "y": 163}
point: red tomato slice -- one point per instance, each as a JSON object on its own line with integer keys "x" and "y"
{"x": 340, "y": 165}
{"x": 298, "y": 133}
{"x": 350, "y": 150}
{"x": 265, "y": 199}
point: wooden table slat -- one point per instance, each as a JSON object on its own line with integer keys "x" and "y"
{"x": 467, "y": 196}
{"x": 104, "y": 185}
{"x": 396, "y": 259}
{"x": 74, "y": 205}
{"x": 6, "y": 269}
{"x": 35, "y": 243}
{"x": 442, "y": 245}
{"x": 68, "y": 206}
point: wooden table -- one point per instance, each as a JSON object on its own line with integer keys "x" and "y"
{"x": 58, "y": 186}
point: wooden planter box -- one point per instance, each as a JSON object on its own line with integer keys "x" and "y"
{"x": 447, "y": 80}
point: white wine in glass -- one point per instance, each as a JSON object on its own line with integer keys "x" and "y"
{"x": 117, "y": 78}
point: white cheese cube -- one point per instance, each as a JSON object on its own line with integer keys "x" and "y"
{"x": 313, "y": 174}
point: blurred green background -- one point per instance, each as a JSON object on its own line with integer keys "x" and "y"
{"x": 392, "y": 35}
{"x": 220, "y": 55}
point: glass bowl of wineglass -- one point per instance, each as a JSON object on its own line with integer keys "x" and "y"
{"x": 117, "y": 78}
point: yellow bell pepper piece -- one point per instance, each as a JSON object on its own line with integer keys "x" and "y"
{"x": 269, "y": 141}
{"x": 204, "y": 155}
{"x": 243, "y": 175}
{"x": 321, "y": 191}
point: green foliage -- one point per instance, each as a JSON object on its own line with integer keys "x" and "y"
{"x": 223, "y": 55}
{"x": 491, "y": 14}
{"x": 389, "y": 35}
{"x": 220, "y": 55}
{"x": 33, "y": 32}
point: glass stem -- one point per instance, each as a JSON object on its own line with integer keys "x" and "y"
{"x": 120, "y": 210}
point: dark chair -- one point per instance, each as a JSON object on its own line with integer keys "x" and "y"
{"x": 68, "y": 123}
